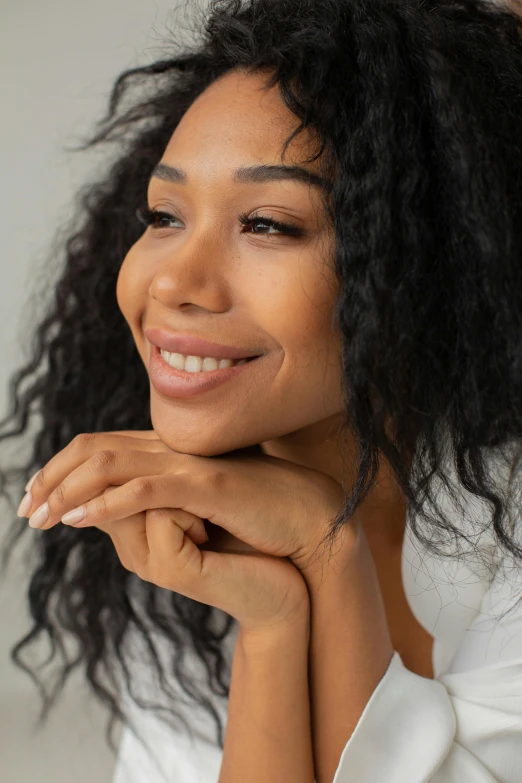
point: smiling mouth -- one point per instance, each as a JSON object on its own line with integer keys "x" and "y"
{"x": 194, "y": 365}
{"x": 185, "y": 384}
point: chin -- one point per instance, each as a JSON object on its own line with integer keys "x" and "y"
{"x": 197, "y": 443}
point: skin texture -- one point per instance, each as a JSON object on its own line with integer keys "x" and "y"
{"x": 208, "y": 275}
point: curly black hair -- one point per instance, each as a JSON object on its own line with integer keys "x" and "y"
{"x": 418, "y": 107}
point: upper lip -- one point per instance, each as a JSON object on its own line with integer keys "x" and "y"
{"x": 190, "y": 345}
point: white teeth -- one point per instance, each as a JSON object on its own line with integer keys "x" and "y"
{"x": 197, "y": 363}
{"x": 209, "y": 364}
{"x": 174, "y": 359}
{"x": 193, "y": 364}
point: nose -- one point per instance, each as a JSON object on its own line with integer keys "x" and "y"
{"x": 193, "y": 272}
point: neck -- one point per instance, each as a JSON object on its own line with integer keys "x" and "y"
{"x": 321, "y": 446}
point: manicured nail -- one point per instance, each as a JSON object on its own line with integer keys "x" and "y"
{"x": 74, "y": 516}
{"x": 30, "y": 482}
{"x": 40, "y": 516}
{"x": 25, "y": 505}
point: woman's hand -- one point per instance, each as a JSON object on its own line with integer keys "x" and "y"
{"x": 266, "y": 516}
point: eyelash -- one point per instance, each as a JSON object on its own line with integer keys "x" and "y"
{"x": 149, "y": 216}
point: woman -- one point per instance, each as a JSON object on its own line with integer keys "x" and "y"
{"x": 281, "y": 424}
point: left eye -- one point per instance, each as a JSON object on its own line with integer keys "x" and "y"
{"x": 153, "y": 217}
{"x": 260, "y": 226}
{"x": 275, "y": 227}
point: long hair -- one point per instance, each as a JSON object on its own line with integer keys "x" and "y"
{"x": 417, "y": 105}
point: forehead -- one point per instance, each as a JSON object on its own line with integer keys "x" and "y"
{"x": 237, "y": 120}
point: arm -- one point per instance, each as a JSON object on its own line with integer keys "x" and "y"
{"x": 350, "y": 647}
{"x": 268, "y": 734}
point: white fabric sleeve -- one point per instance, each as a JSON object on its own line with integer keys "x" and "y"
{"x": 174, "y": 756}
{"x": 463, "y": 726}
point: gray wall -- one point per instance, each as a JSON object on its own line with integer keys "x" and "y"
{"x": 58, "y": 60}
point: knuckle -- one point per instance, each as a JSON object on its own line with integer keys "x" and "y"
{"x": 58, "y": 496}
{"x": 219, "y": 480}
{"x": 39, "y": 481}
{"x": 100, "y": 505}
{"x": 140, "y": 488}
{"x": 83, "y": 441}
{"x": 103, "y": 460}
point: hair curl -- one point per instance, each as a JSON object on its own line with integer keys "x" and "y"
{"x": 417, "y": 104}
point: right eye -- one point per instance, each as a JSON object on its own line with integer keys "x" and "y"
{"x": 153, "y": 217}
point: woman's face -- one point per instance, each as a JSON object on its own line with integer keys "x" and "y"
{"x": 203, "y": 272}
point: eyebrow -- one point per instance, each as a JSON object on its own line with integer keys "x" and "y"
{"x": 263, "y": 173}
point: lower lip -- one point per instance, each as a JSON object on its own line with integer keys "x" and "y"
{"x": 181, "y": 384}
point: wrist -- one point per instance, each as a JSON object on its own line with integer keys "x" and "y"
{"x": 331, "y": 563}
{"x": 267, "y": 639}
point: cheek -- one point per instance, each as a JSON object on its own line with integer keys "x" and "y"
{"x": 132, "y": 294}
{"x": 308, "y": 384}
{"x": 307, "y": 318}
{"x": 132, "y": 288}
{"x": 313, "y": 361}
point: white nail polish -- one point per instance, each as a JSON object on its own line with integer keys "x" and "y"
{"x": 25, "y": 505}
{"x": 30, "y": 482}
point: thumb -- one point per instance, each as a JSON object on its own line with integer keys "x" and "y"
{"x": 193, "y": 526}
{"x": 235, "y": 583}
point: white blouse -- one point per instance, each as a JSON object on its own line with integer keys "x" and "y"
{"x": 463, "y": 726}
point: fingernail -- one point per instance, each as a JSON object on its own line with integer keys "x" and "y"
{"x": 74, "y": 516}
{"x": 40, "y": 516}
{"x": 30, "y": 482}
{"x": 25, "y": 505}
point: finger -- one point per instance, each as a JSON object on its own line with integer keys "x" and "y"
{"x": 174, "y": 561}
{"x": 136, "y": 495}
{"x": 129, "y": 537}
{"x": 119, "y": 546}
{"x": 191, "y": 491}
{"x": 108, "y": 467}
{"x": 81, "y": 448}
{"x": 132, "y": 527}
{"x": 123, "y": 532}
{"x": 133, "y": 538}
{"x": 214, "y": 578}
{"x": 224, "y": 495}
{"x": 146, "y": 434}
